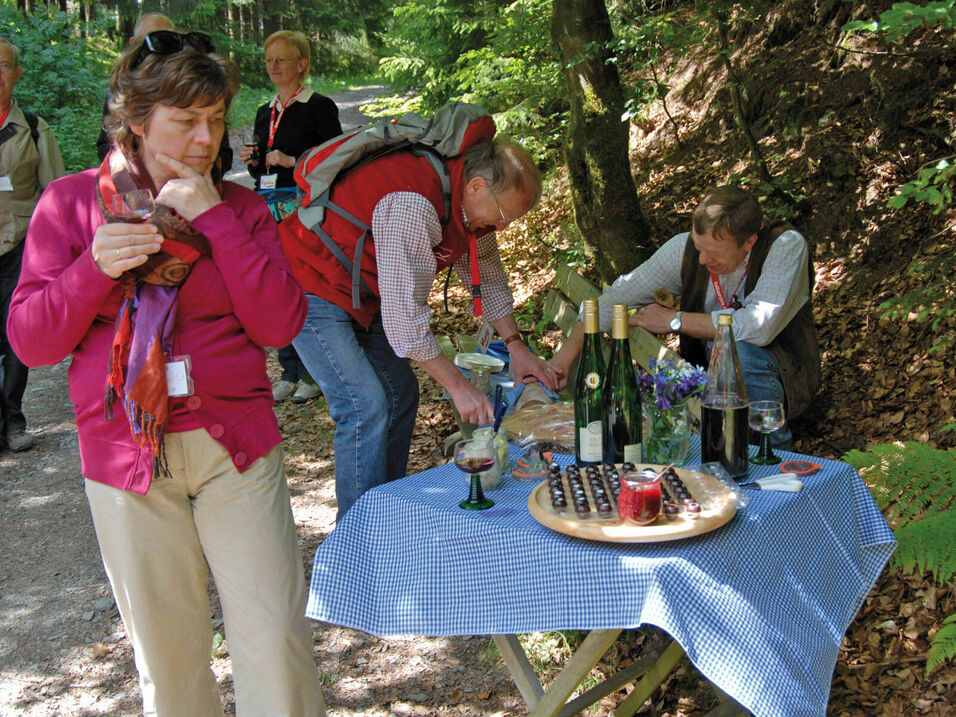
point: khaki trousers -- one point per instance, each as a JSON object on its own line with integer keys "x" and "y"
{"x": 158, "y": 549}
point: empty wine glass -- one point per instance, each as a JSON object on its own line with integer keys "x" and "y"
{"x": 474, "y": 458}
{"x": 136, "y": 206}
{"x": 766, "y": 417}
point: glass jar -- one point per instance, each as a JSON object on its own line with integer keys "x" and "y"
{"x": 666, "y": 434}
{"x": 491, "y": 478}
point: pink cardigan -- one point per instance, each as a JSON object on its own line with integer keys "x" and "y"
{"x": 235, "y": 302}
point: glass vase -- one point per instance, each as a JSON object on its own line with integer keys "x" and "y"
{"x": 666, "y": 434}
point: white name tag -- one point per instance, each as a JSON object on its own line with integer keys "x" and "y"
{"x": 268, "y": 181}
{"x": 178, "y": 381}
{"x": 485, "y": 334}
{"x": 5, "y": 184}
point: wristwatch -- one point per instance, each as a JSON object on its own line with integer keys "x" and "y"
{"x": 675, "y": 323}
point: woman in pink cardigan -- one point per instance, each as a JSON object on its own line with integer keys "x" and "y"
{"x": 166, "y": 322}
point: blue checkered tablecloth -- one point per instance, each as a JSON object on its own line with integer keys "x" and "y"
{"x": 760, "y": 605}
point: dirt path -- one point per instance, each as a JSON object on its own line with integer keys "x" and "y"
{"x": 63, "y": 649}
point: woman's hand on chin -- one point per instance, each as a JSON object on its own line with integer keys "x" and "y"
{"x": 191, "y": 193}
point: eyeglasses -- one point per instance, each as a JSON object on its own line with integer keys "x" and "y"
{"x": 504, "y": 217}
{"x": 169, "y": 42}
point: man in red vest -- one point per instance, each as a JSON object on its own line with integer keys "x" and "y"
{"x": 358, "y": 352}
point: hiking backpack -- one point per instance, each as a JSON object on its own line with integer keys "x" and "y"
{"x": 452, "y": 130}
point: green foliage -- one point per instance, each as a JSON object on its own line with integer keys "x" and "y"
{"x": 497, "y": 56}
{"x": 933, "y": 301}
{"x": 64, "y": 78}
{"x": 219, "y": 648}
{"x": 643, "y": 38}
{"x": 425, "y": 40}
{"x": 933, "y": 185}
{"x": 904, "y": 17}
{"x": 944, "y": 644}
{"x": 915, "y": 486}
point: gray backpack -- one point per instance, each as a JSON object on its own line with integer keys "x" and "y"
{"x": 452, "y": 130}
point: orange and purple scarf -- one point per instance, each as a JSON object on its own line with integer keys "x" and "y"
{"x": 142, "y": 340}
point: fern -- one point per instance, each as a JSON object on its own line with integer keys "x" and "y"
{"x": 926, "y": 545}
{"x": 944, "y": 644}
{"x": 915, "y": 487}
{"x": 909, "y": 481}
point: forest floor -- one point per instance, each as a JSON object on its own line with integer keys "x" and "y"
{"x": 63, "y": 650}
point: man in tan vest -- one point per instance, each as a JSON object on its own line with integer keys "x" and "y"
{"x": 729, "y": 263}
{"x": 29, "y": 160}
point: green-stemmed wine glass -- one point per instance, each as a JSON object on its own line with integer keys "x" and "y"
{"x": 766, "y": 417}
{"x": 474, "y": 458}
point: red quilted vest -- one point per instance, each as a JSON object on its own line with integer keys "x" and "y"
{"x": 320, "y": 273}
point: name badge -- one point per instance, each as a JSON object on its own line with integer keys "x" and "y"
{"x": 179, "y": 382}
{"x": 268, "y": 181}
{"x": 5, "y": 184}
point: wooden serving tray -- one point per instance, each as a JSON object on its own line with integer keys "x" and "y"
{"x": 717, "y": 503}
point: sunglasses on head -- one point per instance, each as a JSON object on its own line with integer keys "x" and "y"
{"x": 169, "y": 42}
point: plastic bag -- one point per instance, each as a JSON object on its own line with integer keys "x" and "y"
{"x": 552, "y": 422}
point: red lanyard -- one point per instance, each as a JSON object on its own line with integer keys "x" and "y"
{"x": 274, "y": 120}
{"x": 475, "y": 279}
{"x": 734, "y": 301}
{"x": 3, "y": 117}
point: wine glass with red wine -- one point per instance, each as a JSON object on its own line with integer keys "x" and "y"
{"x": 134, "y": 207}
{"x": 474, "y": 458}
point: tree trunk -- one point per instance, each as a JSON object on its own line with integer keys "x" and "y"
{"x": 606, "y": 209}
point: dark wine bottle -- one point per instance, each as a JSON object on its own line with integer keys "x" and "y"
{"x": 589, "y": 392}
{"x": 622, "y": 399}
{"x": 724, "y": 428}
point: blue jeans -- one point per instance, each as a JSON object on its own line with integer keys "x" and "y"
{"x": 292, "y": 369}
{"x": 762, "y": 376}
{"x": 372, "y": 395}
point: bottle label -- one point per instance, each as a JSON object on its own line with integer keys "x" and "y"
{"x": 592, "y": 380}
{"x": 592, "y": 448}
{"x": 632, "y": 453}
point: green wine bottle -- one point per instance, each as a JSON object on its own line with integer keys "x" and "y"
{"x": 622, "y": 399}
{"x": 589, "y": 392}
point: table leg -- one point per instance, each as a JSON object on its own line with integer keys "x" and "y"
{"x": 611, "y": 684}
{"x": 652, "y": 680}
{"x": 654, "y": 667}
{"x": 521, "y": 671}
{"x": 584, "y": 658}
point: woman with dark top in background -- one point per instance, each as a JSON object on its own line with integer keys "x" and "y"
{"x": 166, "y": 319}
{"x": 296, "y": 120}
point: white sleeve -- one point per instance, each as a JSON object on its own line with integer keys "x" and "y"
{"x": 782, "y": 289}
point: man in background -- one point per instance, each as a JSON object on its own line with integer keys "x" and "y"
{"x": 29, "y": 160}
